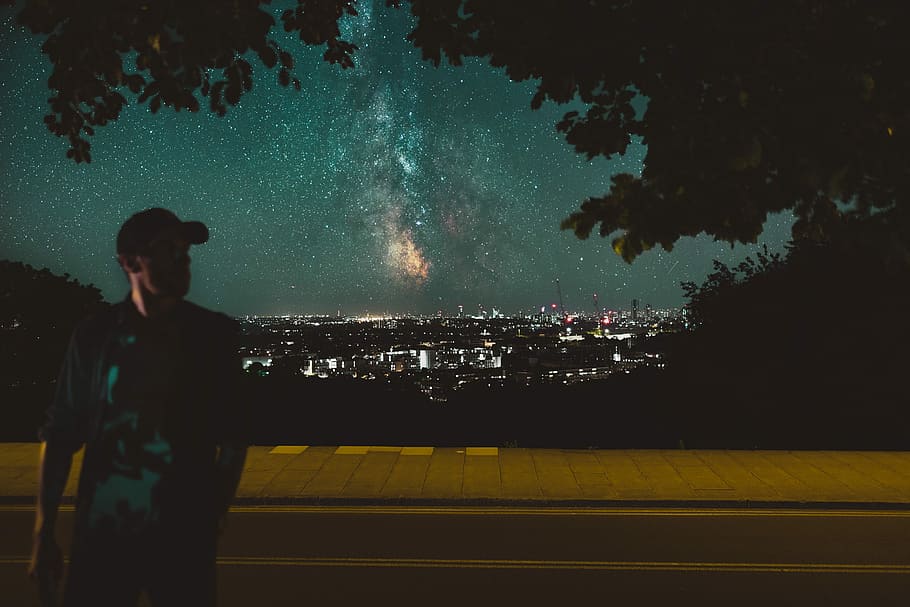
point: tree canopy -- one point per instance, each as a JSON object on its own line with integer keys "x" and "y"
{"x": 751, "y": 107}
{"x": 803, "y": 349}
{"x": 38, "y": 312}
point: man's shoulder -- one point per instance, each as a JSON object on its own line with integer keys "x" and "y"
{"x": 212, "y": 320}
{"x": 98, "y": 323}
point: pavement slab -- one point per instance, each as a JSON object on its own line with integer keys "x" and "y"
{"x": 739, "y": 478}
{"x": 407, "y": 476}
{"x": 590, "y": 475}
{"x": 481, "y": 476}
{"x": 368, "y": 479}
{"x": 332, "y": 477}
{"x": 555, "y": 476}
{"x": 311, "y": 459}
{"x": 625, "y": 475}
{"x": 445, "y": 474}
{"x": 661, "y": 474}
{"x": 260, "y": 469}
{"x": 844, "y": 473}
{"x": 899, "y": 462}
{"x": 885, "y": 475}
{"x": 821, "y": 482}
{"x": 518, "y": 476}
{"x": 693, "y": 469}
{"x": 287, "y": 485}
{"x": 785, "y": 485}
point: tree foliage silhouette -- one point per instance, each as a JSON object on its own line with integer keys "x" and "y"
{"x": 709, "y": 301}
{"x": 38, "y": 312}
{"x": 169, "y": 53}
{"x": 751, "y": 107}
{"x": 799, "y": 351}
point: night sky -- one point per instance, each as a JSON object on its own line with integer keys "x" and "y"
{"x": 394, "y": 187}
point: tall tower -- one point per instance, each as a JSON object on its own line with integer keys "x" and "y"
{"x": 562, "y": 308}
{"x": 634, "y": 309}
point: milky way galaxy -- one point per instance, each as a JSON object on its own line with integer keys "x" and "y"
{"x": 391, "y": 187}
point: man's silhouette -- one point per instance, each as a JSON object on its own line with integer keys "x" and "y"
{"x": 150, "y": 389}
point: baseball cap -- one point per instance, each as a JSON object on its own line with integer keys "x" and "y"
{"x": 142, "y": 228}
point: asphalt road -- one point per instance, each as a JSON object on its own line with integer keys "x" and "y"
{"x": 538, "y": 556}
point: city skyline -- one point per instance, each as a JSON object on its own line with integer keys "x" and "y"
{"x": 394, "y": 187}
{"x": 456, "y": 313}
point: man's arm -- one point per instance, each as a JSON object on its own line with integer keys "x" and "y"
{"x": 53, "y": 471}
{"x": 60, "y": 437}
{"x": 46, "y": 564}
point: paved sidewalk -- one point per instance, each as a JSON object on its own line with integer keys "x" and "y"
{"x": 427, "y": 475}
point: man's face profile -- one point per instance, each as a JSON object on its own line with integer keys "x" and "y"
{"x": 163, "y": 267}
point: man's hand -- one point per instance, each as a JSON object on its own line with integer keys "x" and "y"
{"x": 46, "y": 567}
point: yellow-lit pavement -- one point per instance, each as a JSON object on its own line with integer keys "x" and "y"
{"x": 356, "y": 475}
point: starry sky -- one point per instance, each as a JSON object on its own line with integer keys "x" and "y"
{"x": 394, "y": 187}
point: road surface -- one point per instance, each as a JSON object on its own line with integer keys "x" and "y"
{"x": 538, "y": 556}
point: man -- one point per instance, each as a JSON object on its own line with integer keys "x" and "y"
{"x": 150, "y": 389}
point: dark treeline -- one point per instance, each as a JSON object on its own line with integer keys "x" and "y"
{"x": 648, "y": 408}
{"x": 351, "y": 411}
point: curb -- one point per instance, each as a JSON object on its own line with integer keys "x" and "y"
{"x": 531, "y": 504}
{"x": 570, "y": 503}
